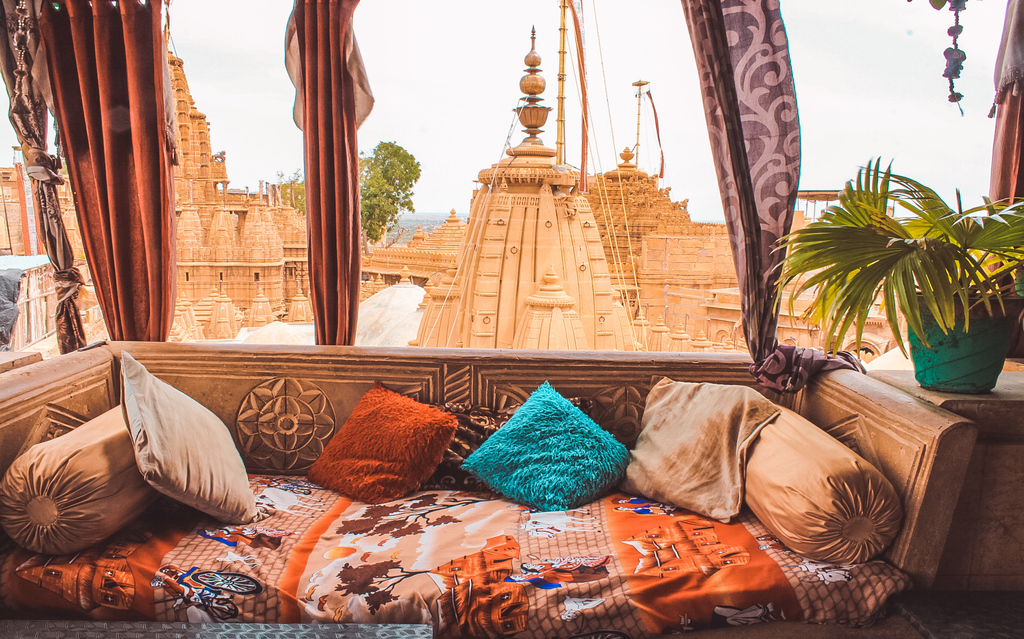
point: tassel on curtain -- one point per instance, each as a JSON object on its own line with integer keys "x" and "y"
{"x": 28, "y": 88}
{"x": 332, "y": 100}
{"x": 108, "y": 73}
{"x": 750, "y": 105}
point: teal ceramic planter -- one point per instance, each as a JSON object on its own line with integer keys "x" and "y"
{"x": 964, "y": 362}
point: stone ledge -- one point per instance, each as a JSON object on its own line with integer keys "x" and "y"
{"x": 9, "y": 361}
{"x": 999, "y": 414}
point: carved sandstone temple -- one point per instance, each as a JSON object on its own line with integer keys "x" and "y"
{"x": 247, "y": 247}
{"x": 531, "y": 270}
{"x": 241, "y": 255}
{"x": 659, "y": 259}
{"x": 427, "y": 256}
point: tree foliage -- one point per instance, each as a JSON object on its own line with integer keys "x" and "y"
{"x": 293, "y": 189}
{"x": 386, "y": 179}
{"x": 930, "y": 256}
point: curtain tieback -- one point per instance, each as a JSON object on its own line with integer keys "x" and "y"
{"x": 40, "y": 165}
{"x": 67, "y": 284}
{"x": 788, "y": 368}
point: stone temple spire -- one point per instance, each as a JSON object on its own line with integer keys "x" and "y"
{"x": 551, "y": 321}
{"x": 531, "y": 269}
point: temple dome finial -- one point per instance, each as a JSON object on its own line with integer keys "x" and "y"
{"x": 532, "y": 115}
{"x": 532, "y": 58}
{"x": 532, "y": 84}
{"x": 627, "y": 156}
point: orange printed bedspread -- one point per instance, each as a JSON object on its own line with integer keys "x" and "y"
{"x": 469, "y": 564}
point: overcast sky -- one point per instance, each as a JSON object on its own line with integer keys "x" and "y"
{"x": 445, "y": 76}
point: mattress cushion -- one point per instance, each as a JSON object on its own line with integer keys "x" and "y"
{"x": 68, "y": 493}
{"x": 820, "y": 498}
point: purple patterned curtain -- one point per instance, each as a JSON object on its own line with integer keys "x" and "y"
{"x": 750, "y": 105}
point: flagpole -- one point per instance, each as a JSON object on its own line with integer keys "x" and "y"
{"x": 639, "y": 84}
{"x": 560, "y": 139}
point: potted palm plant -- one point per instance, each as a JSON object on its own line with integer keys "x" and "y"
{"x": 949, "y": 272}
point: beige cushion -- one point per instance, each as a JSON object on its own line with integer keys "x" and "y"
{"x": 820, "y": 498}
{"x": 74, "y": 491}
{"x": 184, "y": 450}
{"x": 693, "y": 445}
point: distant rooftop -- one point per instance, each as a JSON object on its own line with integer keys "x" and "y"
{"x": 23, "y": 262}
{"x": 818, "y": 196}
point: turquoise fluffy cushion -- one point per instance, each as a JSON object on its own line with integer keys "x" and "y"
{"x": 550, "y": 455}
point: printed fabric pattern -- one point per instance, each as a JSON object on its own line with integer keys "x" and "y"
{"x": 468, "y": 564}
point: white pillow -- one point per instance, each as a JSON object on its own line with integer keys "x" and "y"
{"x": 184, "y": 450}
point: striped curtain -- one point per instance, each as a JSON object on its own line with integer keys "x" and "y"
{"x": 332, "y": 100}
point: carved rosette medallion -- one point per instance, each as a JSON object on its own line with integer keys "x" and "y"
{"x": 284, "y": 424}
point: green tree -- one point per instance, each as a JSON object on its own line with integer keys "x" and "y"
{"x": 293, "y": 189}
{"x": 386, "y": 178}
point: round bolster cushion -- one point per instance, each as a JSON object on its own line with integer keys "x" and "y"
{"x": 821, "y": 499}
{"x": 74, "y": 491}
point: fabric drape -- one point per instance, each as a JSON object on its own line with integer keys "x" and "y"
{"x": 1007, "y": 179}
{"x": 788, "y": 368}
{"x": 333, "y": 97}
{"x": 28, "y": 87}
{"x": 657, "y": 131}
{"x": 750, "y": 106}
{"x": 108, "y": 72}
{"x": 581, "y": 64}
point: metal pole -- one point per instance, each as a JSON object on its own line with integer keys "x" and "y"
{"x": 7, "y": 224}
{"x": 560, "y": 141}
{"x": 639, "y": 84}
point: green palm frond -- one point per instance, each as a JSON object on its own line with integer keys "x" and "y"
{"x": 895, "y": 239}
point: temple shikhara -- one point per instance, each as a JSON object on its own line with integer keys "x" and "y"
{"x": 531, "y": 270}
{"x": 241, "y": 255}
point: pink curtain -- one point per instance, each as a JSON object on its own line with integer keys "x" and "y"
{"x": 750, "y": 106}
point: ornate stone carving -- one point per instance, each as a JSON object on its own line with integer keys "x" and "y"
{"x": 617, "y": 409}
{"x": 53, "y": 422}
{"x": 457, "y": 383}
{"x": 284, "y": 424}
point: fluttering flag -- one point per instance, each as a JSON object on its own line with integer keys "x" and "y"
{"x": 582, "y": 65}
{"x": 657, "y": 130}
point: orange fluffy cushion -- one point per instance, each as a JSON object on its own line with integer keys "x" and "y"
{"x": 386, "y": 449}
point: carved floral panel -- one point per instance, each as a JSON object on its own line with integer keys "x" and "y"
{"x": 283, "y": 425}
